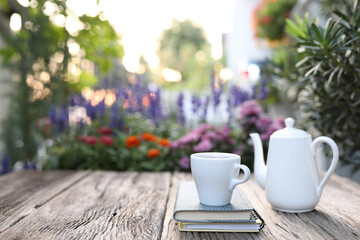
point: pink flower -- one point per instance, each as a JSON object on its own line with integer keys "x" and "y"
{"x": 204, "y": 145}
{"x": 175, "y": 144}
{"x": 226, "y": 131}
{"x": 263, "y": 123}
{"x": 202, "y": 128}
{"x": 184, "y": 162}
{"x": 274, "y": 126}
{"x": 210, "y": 136}
{"x": 189, "y": 138}
{"x": 249, "y": 108}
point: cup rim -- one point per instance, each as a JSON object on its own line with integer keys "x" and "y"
{"x": 222, "y": 156}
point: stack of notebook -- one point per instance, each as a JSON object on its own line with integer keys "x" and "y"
{"x": 238, "y": 216}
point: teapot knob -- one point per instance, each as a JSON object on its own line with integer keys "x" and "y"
{"x": 289, "y": 122}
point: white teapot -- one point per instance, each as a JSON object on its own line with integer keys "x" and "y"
{"x": 290, "y": 178}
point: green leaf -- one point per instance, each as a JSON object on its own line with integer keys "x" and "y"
{"x": 340, "y": 14}
{"x": 301, "y": 62}
{"x": 316, "y": 30}
{"x": 313, "y": 70}
{"x": 293, "y": 29}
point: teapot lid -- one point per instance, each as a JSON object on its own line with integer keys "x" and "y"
{"x": 289, "y": 131}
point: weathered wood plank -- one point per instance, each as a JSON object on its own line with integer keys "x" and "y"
{"x": 105, "y": 205}
{"x": 335, "y": 217}
{"x": 21, "y": 193}
{"x": 326, "y": 222}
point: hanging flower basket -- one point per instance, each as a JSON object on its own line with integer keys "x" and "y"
{"x": 269, "y": 20}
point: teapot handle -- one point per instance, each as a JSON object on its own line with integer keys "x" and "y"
{"x": 334, "y": 160}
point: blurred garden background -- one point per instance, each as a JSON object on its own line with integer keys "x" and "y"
{"x": 140, "y": 85}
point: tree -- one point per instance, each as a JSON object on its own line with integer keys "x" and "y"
{"x": 184, "y": 48}
{"x": 55, "y": 52}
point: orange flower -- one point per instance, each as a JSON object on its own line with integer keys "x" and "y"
{"x": 164, "y": 142}
{"x": 149, "y": 137}
{"x": 153, "y": 152}
{"x": 132, "y": 141}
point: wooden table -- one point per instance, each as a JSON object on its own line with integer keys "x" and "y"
{"x": 130, "y": 205}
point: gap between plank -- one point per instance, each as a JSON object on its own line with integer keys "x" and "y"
{"x": 166, "y": 205}
{"x": 76, "y": 181}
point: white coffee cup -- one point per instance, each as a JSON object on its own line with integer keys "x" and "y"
{"x": 215, "y": 176}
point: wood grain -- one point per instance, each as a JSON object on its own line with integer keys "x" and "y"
{"x": 104, "y": 205}
{"x": 335, "y": 217}
{"x": 130, "y": 205}
{"x": 21, "y": 193}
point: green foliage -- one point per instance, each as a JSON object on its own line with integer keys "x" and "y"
{"x": 41, "y": 49}
{"x": 184, "y": 48}
{"x": 127, "y": 152}
{"x": 331, "y": 72}
{"x": 100, "y": 42}
{"x": 85, "y": 79}
{"x": 282, "y": 74}
{"x": 270, "y": 19}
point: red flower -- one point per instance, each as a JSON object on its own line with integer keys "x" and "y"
{"x": 266, "y": 20}
{"x": 81, "y": 138}
{"x": 164, "y": 142}
{"x": 44, "y": 124}
{"x": 132, "y": 141}
{"x": 153, "y": 152}
{"x": 149, "y": 137}
{"x": 91, "y": 140}
{"x": 106, "y": 140}
{"x": 105, "y": 130}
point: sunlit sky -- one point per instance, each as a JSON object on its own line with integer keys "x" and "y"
{"x": 140, "y": 22}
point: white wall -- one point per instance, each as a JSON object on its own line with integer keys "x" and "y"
{"x": 240, "y": 44}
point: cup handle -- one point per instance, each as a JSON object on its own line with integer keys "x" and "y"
{"x": 246, "y": 177}
{"x": 334, "y": 160}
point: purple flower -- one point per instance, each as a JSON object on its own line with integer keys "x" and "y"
{"x": 211, "y": 136}
{"x": 205, "y": 108}
{"x": 189, "y": 138}
{"x": 216, "y": 91}
{"x": 202, "y": 128}
{"x": 225, "y": 131}
{"x": 59, "y": 117}
{"x": 184, "y": 162}
{"x": 263, "y": 123}
{"x": 155, "y": 110}
{"x": 196, "y": 103}
{"x": 29, "y": 165}
{"x": 264, "y": 90}
{"x": 280, "y": 122}
{"x": 274, "y": 126}
{"x": 176, "y": 144}
{"x": 116, "y": 121}
{"x": 90, "y": 111}
{"x": 100, "y": 109}
{"x": 75, "y": 100}
{"x": 137, "y": 93}
{"x": 180, "y": 106}
{"x": 238, "y": 96}
{"x": 250, "y": 108}
{"x": 204, "y": 145}
{"x": 5, "y": 164}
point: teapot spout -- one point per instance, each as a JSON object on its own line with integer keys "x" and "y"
{"x": 260, "y": 168}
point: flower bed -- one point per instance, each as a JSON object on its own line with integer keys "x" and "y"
{"x": 135, "y": 133}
